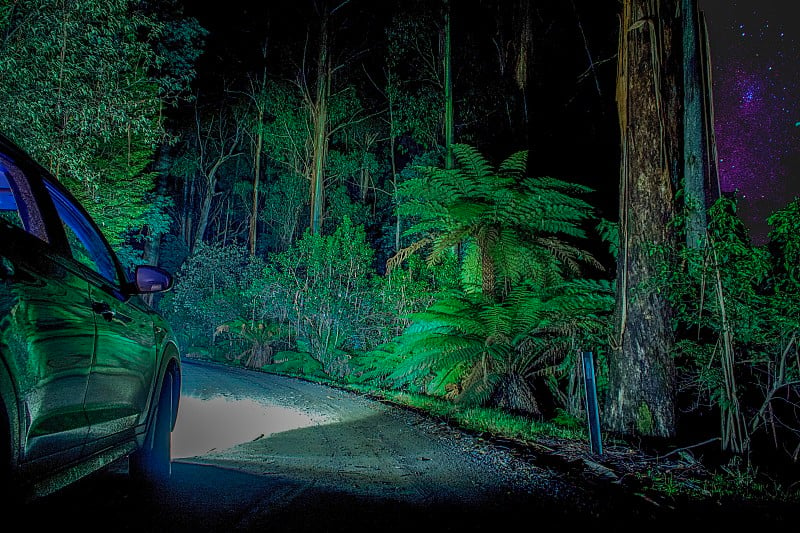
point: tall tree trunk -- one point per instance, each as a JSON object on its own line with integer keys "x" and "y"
{"x": 320, "y": 125}
{"x": 696, "y": 166}
{"x": 712, "y": 187}
{"x": 393, "y": 158}
{"x": 260, "y": 102}
{"x": 642, "y": 373}
{"x": 448, "y": 91}
{"x": 252, "y": 234}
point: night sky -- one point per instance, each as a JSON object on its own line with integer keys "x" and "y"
{"x": 756, "y": 82}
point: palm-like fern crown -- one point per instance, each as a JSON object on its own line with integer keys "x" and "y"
{"x": 522, "y": 223}
{"x": 526, "y": 334}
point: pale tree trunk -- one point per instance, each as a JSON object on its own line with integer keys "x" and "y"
{"x": 391, "y": 96}
{"x": 642, "y": 373}
{"x": 320, "y": 129}
{"x": 252, "y": 234}
{"x": 393, "y": 150}
{"x": 448, "y": 92}
{"x": 701, "y": 186}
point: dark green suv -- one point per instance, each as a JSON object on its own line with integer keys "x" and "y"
{"x": 89, "y": 373}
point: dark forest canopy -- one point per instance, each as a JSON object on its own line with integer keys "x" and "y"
{"x": 567, "y": 109}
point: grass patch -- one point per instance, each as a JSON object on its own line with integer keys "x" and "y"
{"x": 495, "y": 422}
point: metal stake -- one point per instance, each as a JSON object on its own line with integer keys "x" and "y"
{"x": 592, "y": 410}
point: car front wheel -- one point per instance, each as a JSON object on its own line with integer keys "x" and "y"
{"x": 152, "y": 464}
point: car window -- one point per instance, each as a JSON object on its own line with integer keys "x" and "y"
{"x": 85, "y": 242}
{"x": 17, "y": 206}
{"x": 8, "y": 205}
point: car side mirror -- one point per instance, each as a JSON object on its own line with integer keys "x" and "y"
{"x": 151, "y": 279}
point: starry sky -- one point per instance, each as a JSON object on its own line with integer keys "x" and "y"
{"x": 755, "y": 57}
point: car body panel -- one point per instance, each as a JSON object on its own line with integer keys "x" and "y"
{"x": 124, "y": 366}
{"x": 47, "y": 327}
{"x": 82, "y": 356}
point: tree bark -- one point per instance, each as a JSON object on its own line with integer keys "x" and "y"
{"x": 697, "y": 168}
{"x": 448, "y": 92}
{"x": 642, "y": 373}
{"x": 320, "y": 138}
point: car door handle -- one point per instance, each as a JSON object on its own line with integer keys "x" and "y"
{"x": 104, "y": 310}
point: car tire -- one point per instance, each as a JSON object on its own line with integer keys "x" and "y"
{"x": 152, "y": 464}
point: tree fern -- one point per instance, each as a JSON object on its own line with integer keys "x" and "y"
{"x": 497, "y": 349}
{"x": 506, "y": 214}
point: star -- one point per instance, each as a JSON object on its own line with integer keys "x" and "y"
{"x": 755, "y": 85}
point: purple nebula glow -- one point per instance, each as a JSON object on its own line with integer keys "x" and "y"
{"x": 756, "y": 86}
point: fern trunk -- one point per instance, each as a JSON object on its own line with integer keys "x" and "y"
{"x": 642, "y": 373}
{"x": 487, "y": 275}
{"x": 515, "y": 394}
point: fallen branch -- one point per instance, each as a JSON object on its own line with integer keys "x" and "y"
{"x": 678, "y": 450}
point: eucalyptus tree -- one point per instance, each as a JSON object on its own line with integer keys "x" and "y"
{"x": 642, "y": 373}
{"x": 257, "y": 95}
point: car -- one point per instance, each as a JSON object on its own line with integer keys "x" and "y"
{"x": 90, "y": 374}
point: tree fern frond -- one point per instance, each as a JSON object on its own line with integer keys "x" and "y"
{"x": 547, "y": 182}
{"x": 474, "y": 165}
{"x": 404, "y": 254}
{"x": 516, "y": 164}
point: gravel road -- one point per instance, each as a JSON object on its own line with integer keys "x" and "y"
{"x": 332, "y": 443}
{"x": 334, "y": 440}
{"x": 257, "y": 452}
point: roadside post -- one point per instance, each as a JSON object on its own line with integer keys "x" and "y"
{"x": 592, "y": 410}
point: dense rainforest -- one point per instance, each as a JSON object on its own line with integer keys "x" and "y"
{"x": 451, "y": 199}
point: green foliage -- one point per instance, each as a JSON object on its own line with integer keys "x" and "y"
{"x": 495, "y": 351}
{"x": 416, "y": 94}
{"x": 521, "y": 315}
{"x": 523, "y": 227}
{"x": 295, "y": 363}
{"x": 216, "y": 285}
{"x": 609, "y": 232}
{"x": 81, "y": 90}
{"x": 177, "y": 41}
{"x": 785, "y": 247}
{"x": 741, "y": 300}
{"x": 287, "y": 196}
{"x": 329, "y": 280}
{"x": 644, "y": 419}
{"x": 289, "y": 121}
{"x": 251, "y": 342}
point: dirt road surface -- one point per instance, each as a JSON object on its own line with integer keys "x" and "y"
{"x": 258, "y": 452}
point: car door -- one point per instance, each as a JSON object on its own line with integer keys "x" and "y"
{"x": 124, "y": 366}
{"x": 47, "y": 326}
{"x": 124, "y": 363}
